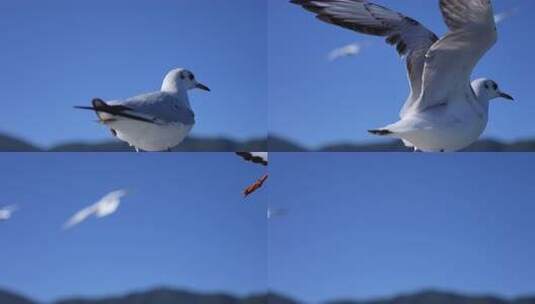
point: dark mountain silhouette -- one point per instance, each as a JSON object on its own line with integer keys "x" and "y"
{"x": 11, "y": 144}
{"x": 437, "y": 297}
{"x": 279, "y": 144}
{"x": 174, "y": 296}
{"x": 7, "y": 297}
{"x": 274, "y": 144}
{"x": 160, "y": 296}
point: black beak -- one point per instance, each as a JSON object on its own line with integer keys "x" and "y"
{"x": 202, "y": 87}
{"x": 506, "y": 96}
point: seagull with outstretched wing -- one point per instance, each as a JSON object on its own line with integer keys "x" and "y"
{"x": 445, "y": 110}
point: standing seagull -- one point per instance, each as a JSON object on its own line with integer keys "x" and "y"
{"x": 7, "y": 212}
{"x": 104, "y": 207}
{"x": 258, "y": 158}
{"x": 444, "y": 111}
{"x": 155, "y": 121}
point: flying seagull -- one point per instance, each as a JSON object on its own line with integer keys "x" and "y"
{"x": 445, "y": 111}
{"x": 260, "y": 158}
{"x": 104, "y": 207}
{"x": 500, "y": 17}
{"x": 7, "y": 212}
{"x": 272, "y": 213}
{"x": 352, "y": 49}
{"x": 155, "y": 121}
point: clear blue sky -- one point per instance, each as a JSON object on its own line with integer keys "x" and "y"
{"x": 365, "y": 225}
{"x": 58, "y": 54}
{"x": 315, "y": 102}
{"x": 183, "y": 224}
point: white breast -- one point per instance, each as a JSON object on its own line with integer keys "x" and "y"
{"x": 151, "y": 137}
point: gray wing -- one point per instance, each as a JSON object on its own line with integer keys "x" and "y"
{"x": 160, "y": 107}
{"x": 451, "y": 60}
{"x": 412, "y": 39}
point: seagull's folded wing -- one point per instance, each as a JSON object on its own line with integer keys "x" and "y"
{"x": 411, "y": 38}
{"x": 451, "y": 60}
{"x": 161, "y": 107}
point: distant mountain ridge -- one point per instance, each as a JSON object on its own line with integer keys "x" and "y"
{"x": 215, "y": 144}
{"x": 272, "y": 144}
{"x": 174, "y": 296}
{"x": 279, "y": 144}
{"x": 439, "y": 297}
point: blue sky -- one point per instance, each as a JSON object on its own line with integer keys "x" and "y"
{"x": 183, "y": 224}
{"x": 365, "y": 225}
{"x": 315, "y": 102}
{"x": 60, "y": 54}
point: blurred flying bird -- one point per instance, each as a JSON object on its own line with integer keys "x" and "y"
{"x": 258, "y": 158}
{"x": 349, "y": 50}
{"x": 498, "y": 18}
{"x": 155, "y": 121}
{"x": 7, "y": 212}
{"x": 271, "y": 213}
{"x": 445, "y": 111}
{"x": 104, "y": 207}
{"x": 352, "y": 49}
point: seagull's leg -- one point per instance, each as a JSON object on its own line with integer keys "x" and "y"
{"x": 137, "y": 149}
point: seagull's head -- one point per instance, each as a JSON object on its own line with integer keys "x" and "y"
{"x": 180, "y": 80}
{"x": 487, "y": 90}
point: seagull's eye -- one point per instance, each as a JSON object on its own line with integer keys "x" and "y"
{"x": 495, "y": 87}
{"x": 191, "y": 77}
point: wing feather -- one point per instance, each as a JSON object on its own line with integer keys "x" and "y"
{"x": 451, "y": 60}
{"x": 410, "y": 38}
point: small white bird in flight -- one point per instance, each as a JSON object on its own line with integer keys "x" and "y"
{"x": 500, "y": 17}
{"x": 155, "y": 121}
{"x": 104, "y": 207}
{"x": 445, "y": 111}
{"x": 352, "y": 49}
{"x": 272, "y": 213}
{"x": 7, "y": 212}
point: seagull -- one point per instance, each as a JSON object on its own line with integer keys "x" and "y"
{"x": 6, "y": 212}
{"x": 352, "y": 49}
{"x": 445, "y": 111}
{"x": 104, "y": 207}
{"x": 272, "y": 213}
{"x": 156, "y": 121}
{"x": 260, "y": 158}
{"x": 500, "y": 17}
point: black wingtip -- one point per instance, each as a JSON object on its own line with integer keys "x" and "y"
{"x": 98, "y": 103}
{"x": 381, "y": 132}
{"x": 255, "y": 159}
{"x": 84, "y": 108}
